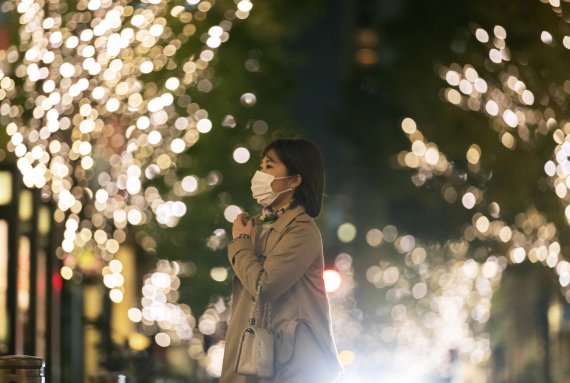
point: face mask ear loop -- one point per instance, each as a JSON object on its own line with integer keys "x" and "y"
{"x": 280, "y": 178}
{"x": 286, "y": 190}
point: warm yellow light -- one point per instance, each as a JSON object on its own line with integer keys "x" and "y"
{"x": 204, "y": 125}
{"x": 5, "y": 188}
{"x": 482, "y": 35}
{"x": 346, "y": 232}
{"x": 116, "y": 266}
{"x": 482, "y": 224}
{"x": 26, "y": 207}
{"x": 190, "y": 184}
{"x": 508, "y": 140}
{"x": 432, "y": 155}
{"x": 245, "y": 6}
{"x": 116, "y": 295}
{"x": 3, "y": 279}
{"x": 162, "y": 339}
{"x": 419, "y": 148}
{"x": 219, "y": 274}
{"x": 518, "y": 255}
{"x": 468, "y": 200}
{"x": 510, "y": 118}
{"x": 374, "y": 237}
{"x": 366, "y": 56}
{"x": 66, "y": 272}
{"x": 138, "y": 342}
{"x": 474, "y": 154}
{"x": 453, "y": 96}
{"x": 546, "y": 37}
{"x": 346, "y": 357}
{"x": 452, "y": 78}
{"x": 248, "y": 99}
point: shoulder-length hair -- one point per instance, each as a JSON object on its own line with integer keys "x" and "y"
{"x": 304, "y": 158}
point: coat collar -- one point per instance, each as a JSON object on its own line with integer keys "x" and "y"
{"x": 287, "y": 217}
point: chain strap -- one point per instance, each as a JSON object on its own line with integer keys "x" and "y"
{"x": 266, "y": 317}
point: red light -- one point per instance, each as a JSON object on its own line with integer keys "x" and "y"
{"x": 332, "y": 280}
{"x": 56, "y": 282}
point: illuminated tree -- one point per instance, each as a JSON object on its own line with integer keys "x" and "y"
{"x": 483, "y": 196}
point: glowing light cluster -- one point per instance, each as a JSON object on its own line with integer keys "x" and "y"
{"x": 161, "y": 316}
{"x": 441, "y": 294}
{"x": 113, "y": 280}
{"x": 531, "y": 236}
{"x": 447, "y": 291}
{"x": 506, "y": 99}
{"x": 558, "y": 168}
{"x": 434, "y": 302}
{"x": 499, "y": 91}
{"x": 172, "y": 323}
{"x": 429, "y": 161}
{"x": 107, "y": 90}
{"x": 424, "y": 156}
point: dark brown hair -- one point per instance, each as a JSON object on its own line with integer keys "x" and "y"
{"x": 304, "y": 158}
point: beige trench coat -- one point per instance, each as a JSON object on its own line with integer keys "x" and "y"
{"x": 290, "y": 263}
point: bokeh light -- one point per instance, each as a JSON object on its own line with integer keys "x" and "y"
{"x": 346, "y": 232}
{"x": 332, "y": 280}
{"x": 241, "y": 155}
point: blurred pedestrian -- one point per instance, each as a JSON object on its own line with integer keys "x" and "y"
{"x": 281, "y": 250}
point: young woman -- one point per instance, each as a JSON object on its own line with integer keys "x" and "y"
{"x": 281, "y": 250}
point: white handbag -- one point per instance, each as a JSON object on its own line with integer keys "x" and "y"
{"x": 256, "y": 351}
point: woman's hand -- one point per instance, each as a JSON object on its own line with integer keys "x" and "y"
{"x": 242, "y": 225}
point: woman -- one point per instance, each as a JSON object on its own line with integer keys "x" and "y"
{"x": 282, "y": 251}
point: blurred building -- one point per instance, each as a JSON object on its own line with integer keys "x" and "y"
{"x": 30, "y": 282}
{"x": 70, "y": 323}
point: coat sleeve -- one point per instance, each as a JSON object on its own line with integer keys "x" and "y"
{"x": 297, "y": 249}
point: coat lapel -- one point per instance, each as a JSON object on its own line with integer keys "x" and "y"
{"x": 278, "y": 229}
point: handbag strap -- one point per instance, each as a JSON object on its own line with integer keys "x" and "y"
{"x": 266, "y": 318}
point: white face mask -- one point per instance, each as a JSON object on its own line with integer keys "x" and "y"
{"x": 261, "y": 188}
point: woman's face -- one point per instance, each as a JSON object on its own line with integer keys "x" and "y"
{"x": 271, "y": 164}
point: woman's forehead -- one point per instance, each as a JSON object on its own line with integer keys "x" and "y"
{"x": 271, "y": 156}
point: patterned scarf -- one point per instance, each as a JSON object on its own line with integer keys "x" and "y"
{"x": 269, "y": 216}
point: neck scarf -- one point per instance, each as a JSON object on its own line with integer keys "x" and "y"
{"x": 269, "y": 216}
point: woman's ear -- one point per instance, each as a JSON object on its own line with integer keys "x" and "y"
{"x": 297, "y": 181}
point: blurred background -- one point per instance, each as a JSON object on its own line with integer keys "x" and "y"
{"x": 131, "y": 129}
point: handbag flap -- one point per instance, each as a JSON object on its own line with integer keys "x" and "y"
{"x": 256, "y": 353}
{"x": 245, "y": 361}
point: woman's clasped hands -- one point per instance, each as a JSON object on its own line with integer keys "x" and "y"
{"x": 242, "y": 225}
